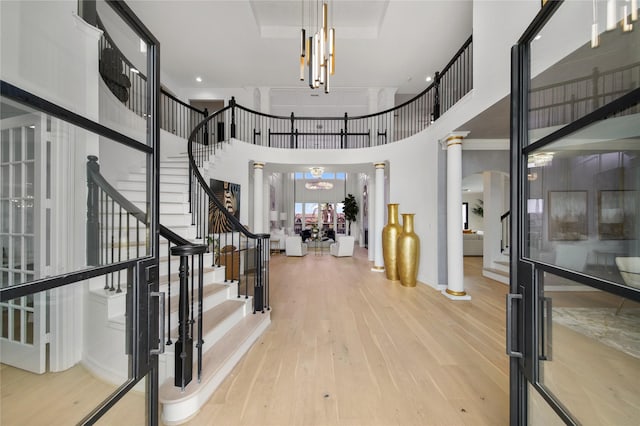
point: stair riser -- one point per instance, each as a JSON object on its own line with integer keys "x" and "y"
{"x": 142, "y": 186}
{"x": 164, "y": 178}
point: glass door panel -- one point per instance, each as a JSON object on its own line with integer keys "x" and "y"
{"x": 590, "y": 357}
{"x": 79, "y": 385}
{"x": 583, "y": 199}
{"x": 539, "y": 412}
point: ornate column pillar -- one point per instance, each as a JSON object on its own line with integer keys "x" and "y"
{"x": 378, "y": 261}
{"x": 455, "y": 267}
{"x": 258, "y": 203}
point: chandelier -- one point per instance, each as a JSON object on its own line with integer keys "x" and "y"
{"x": 316, "y": 172}
{"x": 317, "y": 52}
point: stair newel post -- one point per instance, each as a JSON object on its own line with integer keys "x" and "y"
{"x": 93, "y": 212}
{"x": 258, "y": 296}
{"x": 184, "y": 344}
{"x": 232, "y": 103}
{"x": 200, "y": 291}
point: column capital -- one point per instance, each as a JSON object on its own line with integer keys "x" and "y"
{"x": 258, "y": 165}
{"x": 453, "y": 138}
{"x": 379, "y": 165}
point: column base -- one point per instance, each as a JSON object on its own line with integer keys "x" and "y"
{"x": 456, "y": 295}
{"x": 377, "y": 269}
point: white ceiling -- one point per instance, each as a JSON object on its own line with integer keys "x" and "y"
{"x": 242, "y": 43}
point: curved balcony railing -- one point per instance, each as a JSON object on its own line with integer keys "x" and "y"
{"x": 394, "y": 124}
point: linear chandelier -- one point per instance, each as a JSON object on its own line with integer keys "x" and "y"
{"x": 317, "y": 52}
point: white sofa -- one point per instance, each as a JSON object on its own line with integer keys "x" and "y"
{"x": 295, "y": 246}
{"x": 472, "y": 244}
{"x": 343, "y": 246}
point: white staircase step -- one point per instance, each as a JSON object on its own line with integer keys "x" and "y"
{"x": 125, "y": 185}
{"x": 501, "y": 265}
{"x": 178, "y": 406}
{"x": 164, "y": 178}
{"x": 496, "y": 274}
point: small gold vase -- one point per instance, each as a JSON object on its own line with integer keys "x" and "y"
{"x": 408, "y": 252}
{"x": 390, "y": 234}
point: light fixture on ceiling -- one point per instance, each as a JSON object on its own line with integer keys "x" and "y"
{"x": 595, "y": 36}
{"x": 428, "y": 79}
{"x": 317, "y": 51}
{"x": 540, "y": 159}
{"x": 199, "y": 79}
{"x": 315, "y": 185}
{"x": 316, "y": 171}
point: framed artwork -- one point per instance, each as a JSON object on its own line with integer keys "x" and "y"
{"x": 229, "y": 195}
{"x": 617, "y": 213}
{"x": 568, "y": 215}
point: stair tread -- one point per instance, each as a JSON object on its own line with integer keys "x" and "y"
{"x": 215, "y": 316}
{"x": 175, "y": 276}
{"x": 213, "y": 359}
{"x": 207, "y": 291}
{"x": 497, "y": 271}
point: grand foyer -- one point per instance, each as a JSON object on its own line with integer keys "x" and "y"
{"x": 61, "y": 321}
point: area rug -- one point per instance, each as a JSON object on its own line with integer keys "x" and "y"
{"x": 621, "y": 331}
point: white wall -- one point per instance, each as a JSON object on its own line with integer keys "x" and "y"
{"x": 411, "y": 182}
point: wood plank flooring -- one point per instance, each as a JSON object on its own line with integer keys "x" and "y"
{"x": 348, "y": 347}
{"x": 345, "y": 347}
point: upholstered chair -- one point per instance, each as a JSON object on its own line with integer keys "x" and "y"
{"x": 295, "y": 246}
{"x": 343, "y": 246}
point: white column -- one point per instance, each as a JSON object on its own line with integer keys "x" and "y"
{"x": 455, "y": 266}
{"x": 371, "y": 225}
{"x": 378, "y": 261}
{"x": 258, "y": 191}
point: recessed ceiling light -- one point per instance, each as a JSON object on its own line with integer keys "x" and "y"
{"x": 428, "y": 79}
{"x": 135, "y": 71}
{"x": 199, "y": 79}
{"x": 538, "y": 37}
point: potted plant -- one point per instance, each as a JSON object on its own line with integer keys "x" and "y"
{"x": 350, "y": 210}
{"x": 478, "y": 209}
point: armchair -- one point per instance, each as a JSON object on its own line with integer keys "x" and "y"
{"x": 295, "y": 247}
{"x": 342, "y": 247}
{"x": 629, "y": 268}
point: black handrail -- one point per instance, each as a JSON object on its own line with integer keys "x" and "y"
{"x": 101, "y": 195}
{"x": 505, "y": 237}
{"x": 204, "y": 202}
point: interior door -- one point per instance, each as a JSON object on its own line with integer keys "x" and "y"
{"x": 23, "y": 322}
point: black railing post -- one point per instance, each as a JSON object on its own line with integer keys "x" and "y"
{"x": 184, "y": 344}
{"x": 343, "y": 142}
{"x": 205, "y": 129}
{"x": 232, "y": 104}
{"x": 93, "y": 212}
{"x": 269, "y": 137}
{"x": 594, "y": 88}
{"x": 291, "y": 137}
{"x": 436, "y": 97}
{"x": 258, "y": 290}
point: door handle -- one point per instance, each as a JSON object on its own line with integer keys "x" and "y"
{"x": 161, "y": 298}
{"x": 510, "y": 298}
{"x": 546, "y": 328}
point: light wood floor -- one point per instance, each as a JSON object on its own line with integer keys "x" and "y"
{"x": 348, "y": 347}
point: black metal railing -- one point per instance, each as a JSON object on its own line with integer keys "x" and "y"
{"x": 565, "y": 101}
{"x": 344, "y": 132}
{"x": 117, "y": 231}
{"x": 244, "y": 254}
{"x": 129, "y": 84}
{"x": 505, "y": 238}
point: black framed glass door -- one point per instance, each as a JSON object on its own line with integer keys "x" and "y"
{"x": 79, "y": 294}
{"x": 574, "y": 302}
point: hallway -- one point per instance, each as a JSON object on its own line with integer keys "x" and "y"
{"x": 347, "y": 346}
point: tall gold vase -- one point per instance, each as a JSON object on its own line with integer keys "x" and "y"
{"x": 408, "y": 252}
{"x": 390, "y": 234}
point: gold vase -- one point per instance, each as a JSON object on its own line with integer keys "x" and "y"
{"x": 408, "y": 252}
{"x": 390, "y": 234}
